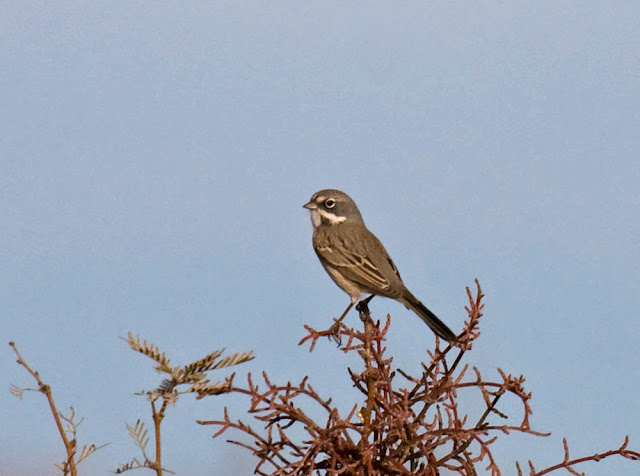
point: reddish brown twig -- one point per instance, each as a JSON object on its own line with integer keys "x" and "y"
{"x": 415, "y": 429}
{"x": 568, "y": 463}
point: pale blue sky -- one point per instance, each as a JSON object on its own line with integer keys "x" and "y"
{"x": 154, "y": 159}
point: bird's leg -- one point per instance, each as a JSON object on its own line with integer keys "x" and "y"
{"x": 346, "y": 311}
{"x": 363, "y": 308}
{"x": 334, "y": 330}
{"x": 366, "y": 301}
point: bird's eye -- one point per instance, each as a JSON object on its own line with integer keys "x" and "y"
{"x": 330, "y": 203}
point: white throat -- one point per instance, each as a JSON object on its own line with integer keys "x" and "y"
{"x": 317, "y": 215}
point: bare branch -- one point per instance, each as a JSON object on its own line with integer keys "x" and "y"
{"x": 419, "y": 427}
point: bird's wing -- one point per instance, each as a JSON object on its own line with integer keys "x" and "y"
{"x": 351, "y": 258}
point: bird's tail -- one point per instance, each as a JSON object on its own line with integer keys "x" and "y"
{"x": 436, "y": 325}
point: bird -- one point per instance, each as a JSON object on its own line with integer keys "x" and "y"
{"x": 356, "y": 260}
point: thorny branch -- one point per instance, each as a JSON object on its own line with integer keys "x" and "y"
{"x": 417, "y": 428}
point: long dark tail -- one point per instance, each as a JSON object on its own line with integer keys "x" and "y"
{"x": 436, "y": 325}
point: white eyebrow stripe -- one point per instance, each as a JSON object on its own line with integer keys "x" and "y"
{"x": 333, "y": 219}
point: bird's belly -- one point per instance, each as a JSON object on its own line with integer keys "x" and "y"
{"x": 352, "y": 289}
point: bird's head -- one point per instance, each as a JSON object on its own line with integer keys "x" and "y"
{"x": 330, "y": 207}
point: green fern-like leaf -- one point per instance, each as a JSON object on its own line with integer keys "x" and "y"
{"x": 235, "y": 359}
{"x": 88, "y": 450}
{"x": 201, "y": 365}
{"x": 166, "y": 387}
{"x": 138, "y": 434}
{"x": 16, "y": 391}
{"x": 208, "y": 388}
{"x": 133, "y": 464}
{"x": 151, "y": 351}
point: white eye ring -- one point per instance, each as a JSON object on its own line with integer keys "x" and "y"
{"x": 330, "y": 203}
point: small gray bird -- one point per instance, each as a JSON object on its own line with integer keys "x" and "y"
{"x": 356, "y": 260}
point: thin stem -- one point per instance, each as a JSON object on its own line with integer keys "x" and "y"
{"x": 370, "y": 380}
{"x": 158, "y": 415}
{"x": 70, "y": 464}
{"x": 567, "y": 463}
{"x": 363, "y": 309}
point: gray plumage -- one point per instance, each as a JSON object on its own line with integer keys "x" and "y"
{"x": 356, "y": 260}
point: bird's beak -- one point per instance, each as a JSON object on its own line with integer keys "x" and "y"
{"x": 310, "y": 206}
